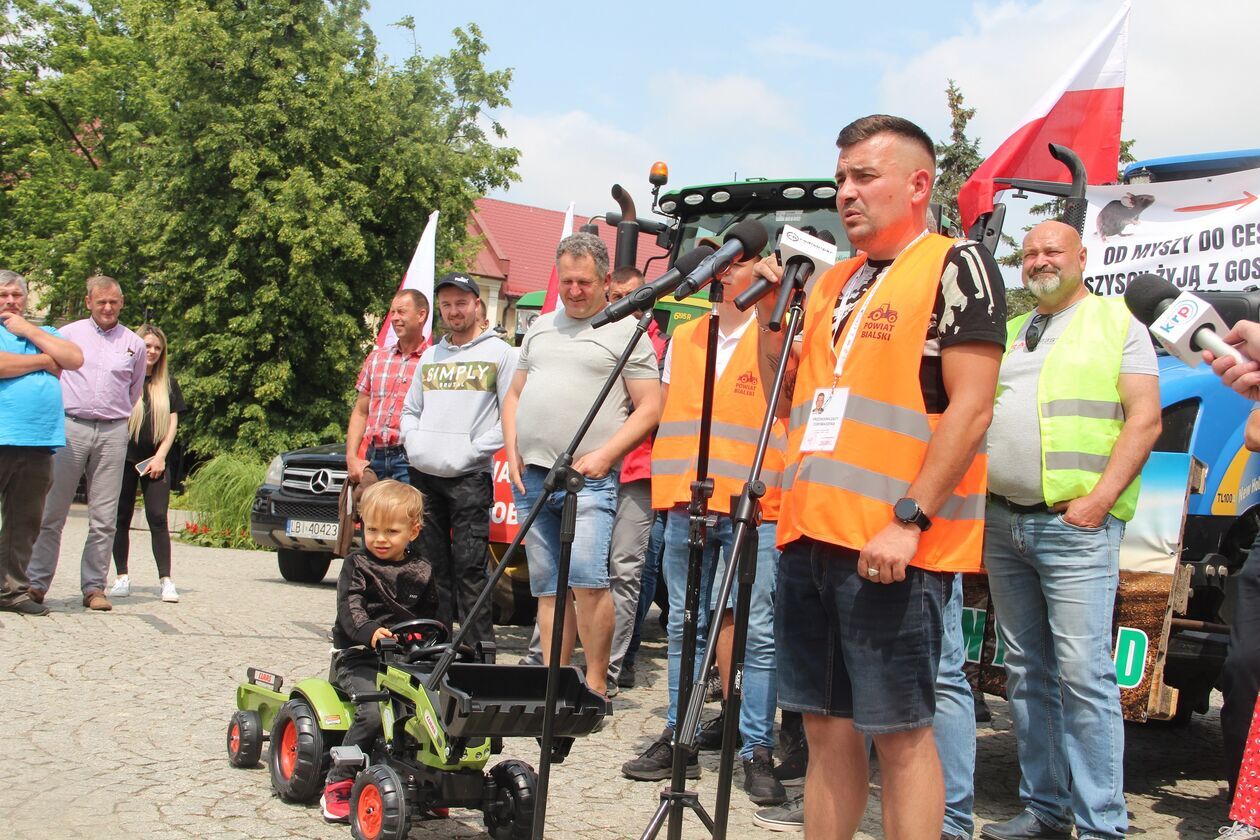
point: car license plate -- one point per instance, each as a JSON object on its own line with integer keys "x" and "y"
{"x": 311, "y": 529}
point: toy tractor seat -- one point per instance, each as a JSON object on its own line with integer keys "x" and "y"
{"x": 494, "y": 701}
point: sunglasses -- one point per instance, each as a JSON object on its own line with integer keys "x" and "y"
{"x": 1032, "y": 337}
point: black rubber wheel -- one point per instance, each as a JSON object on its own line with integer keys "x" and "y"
{"x": 244, "y": 739}
{"x": 297, "y": 758}
{"x": 302, "y": 566}
{"x": 511, "y": 815}
{"x": 378, "y": 805}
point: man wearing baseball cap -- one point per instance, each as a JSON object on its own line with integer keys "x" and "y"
{"x": 450, "y": 428}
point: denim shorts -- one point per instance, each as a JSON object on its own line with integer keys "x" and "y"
{"x": 588, "y": 563}
{"x": 854, "y": 649}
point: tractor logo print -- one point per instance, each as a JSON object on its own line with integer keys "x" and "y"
{"x": 885, "y": 313}
{"x": 746, "y": 385}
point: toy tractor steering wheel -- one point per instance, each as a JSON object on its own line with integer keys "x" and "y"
{"x": 432, "y": 653}
{"x": 419, "y": 634}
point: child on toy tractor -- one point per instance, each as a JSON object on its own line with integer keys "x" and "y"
{"x": 381, "y": 585}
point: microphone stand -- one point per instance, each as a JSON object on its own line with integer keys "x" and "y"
{"x": 676, "y": 797}
{"x": 563, "y": 475}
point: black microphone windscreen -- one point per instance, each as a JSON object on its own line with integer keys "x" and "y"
{"x": 1145, "y": 294}
{"x": 752, "y": 234}
{"x": 691, "y": 260}
{"x": 827, "y": 236}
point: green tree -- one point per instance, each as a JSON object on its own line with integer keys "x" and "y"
{"x": 267, "y": 180}
{"x": 957, "y": 159}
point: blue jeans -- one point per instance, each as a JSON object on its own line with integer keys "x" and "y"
{"x": 674, "y": 568}
{"x": 647, "y": 586}
{"x": 1054, "y": 589}
{"x": 588, "y": 562}
{"x": 389, "y": 462}
{"x": 954, "y": 726}
{"x": 760, "y": 686}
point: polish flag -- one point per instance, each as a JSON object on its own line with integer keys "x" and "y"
{"x": 553, "y": 283}
{"x": 1082, "y": 111}
{"x": 419, "y": 276}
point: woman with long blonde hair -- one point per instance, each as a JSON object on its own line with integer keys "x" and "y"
{"x": 151, "y": 433}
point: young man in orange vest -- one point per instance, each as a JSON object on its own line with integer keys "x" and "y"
{"x": 884, "y": 488}
{"x": 738, "y": 407}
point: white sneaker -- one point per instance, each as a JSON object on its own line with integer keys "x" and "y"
{"x": 1239, "y": 831}
{"x": 169, "y": 593}
{"x": 121, "y": 587}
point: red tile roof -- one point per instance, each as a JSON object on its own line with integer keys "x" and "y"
{"x": 520, "y": 244}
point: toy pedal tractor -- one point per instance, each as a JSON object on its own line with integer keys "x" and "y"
{"x": 435, "y": 740}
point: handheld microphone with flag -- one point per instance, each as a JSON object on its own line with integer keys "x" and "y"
{"x": 1184, "y": 323}
{"x": 803, "y": 255}
{"x": 744, "y": 240}
{"x": 645, "y": 297}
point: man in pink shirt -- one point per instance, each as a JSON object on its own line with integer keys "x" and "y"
{"x": 97, "y": 399}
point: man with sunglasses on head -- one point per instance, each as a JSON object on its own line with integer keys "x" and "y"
{"x": 1077, "y": 412}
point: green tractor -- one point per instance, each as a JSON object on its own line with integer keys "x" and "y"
{"x": 439, "y": 730}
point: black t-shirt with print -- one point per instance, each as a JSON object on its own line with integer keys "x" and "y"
{"x": 970, "y": 306}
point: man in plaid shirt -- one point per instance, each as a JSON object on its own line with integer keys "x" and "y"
{"x": 383, "y": 385}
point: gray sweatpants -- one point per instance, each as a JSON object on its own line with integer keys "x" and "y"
{"x": 97, "y": 449}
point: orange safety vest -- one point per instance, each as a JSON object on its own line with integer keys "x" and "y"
{"x": 845, "y": 497}
{"x": 739, "y": 404}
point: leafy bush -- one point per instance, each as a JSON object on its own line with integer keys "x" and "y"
{"x": 219, "y": 494}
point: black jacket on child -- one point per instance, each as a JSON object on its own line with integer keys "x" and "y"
{"x": 373, "y": 594}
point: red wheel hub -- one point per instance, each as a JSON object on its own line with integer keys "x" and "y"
{"x": 288, "y": 750}
{"x": 368, "y": 813}
{"x": 234, "y": 738}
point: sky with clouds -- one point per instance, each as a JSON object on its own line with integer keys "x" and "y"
{"x": 746, "y": 89}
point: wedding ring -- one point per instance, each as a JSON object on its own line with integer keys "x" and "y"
{"x": 872, "y": 572}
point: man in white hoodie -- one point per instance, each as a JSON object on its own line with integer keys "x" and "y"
{"x": 450, "y": 428}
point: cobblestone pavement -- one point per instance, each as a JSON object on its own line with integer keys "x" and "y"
{"x": 117, "y": 722}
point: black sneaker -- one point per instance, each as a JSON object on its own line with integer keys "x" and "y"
{"x": 657, "y": 762}
{"x": 626, "y": 678}
{"x": 983, "y": 715}
{"x": 790, "y": 816}
{"x": 791, "y": 771}
{"x": 759, "y": 781}
{"x": 709, "y": 735}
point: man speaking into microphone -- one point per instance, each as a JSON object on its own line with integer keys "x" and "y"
{"x": 1077, "y": 413}
{"x": 883, "y": 488}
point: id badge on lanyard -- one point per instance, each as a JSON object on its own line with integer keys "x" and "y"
{"x": 826, "y": 415}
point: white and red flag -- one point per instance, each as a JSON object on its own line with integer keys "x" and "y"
{"x": 553, "y": 283}
{"x": 419, "y": 276}
{"x": 1082, "y": 111}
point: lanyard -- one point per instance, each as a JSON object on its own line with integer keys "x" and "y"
{"x": 855, "y": 320}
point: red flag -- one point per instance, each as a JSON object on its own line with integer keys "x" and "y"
{"x": 1082, "y": 111}
{"x": 553, "y": 283}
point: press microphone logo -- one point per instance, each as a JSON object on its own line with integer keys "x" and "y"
{"x": 1185, "y": 311}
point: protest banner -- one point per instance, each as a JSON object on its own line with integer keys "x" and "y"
{"x": 1200, "y": 235}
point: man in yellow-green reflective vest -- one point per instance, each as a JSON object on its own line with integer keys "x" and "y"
{"x": 1076, "y": 414}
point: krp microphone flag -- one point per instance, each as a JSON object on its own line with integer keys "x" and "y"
{"x": 419, "y": 276}
{"x": 553, "y": 284}
{"x": 1082, "y": 111}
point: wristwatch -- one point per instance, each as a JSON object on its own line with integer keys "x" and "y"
{"x": 907, "y": 510}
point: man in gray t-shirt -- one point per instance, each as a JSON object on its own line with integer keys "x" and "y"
{"x": 1076, "y": 414}
{"x": 563, "y": 363}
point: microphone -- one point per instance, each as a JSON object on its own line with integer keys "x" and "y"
{"x": 744, "y": 240}
{"x": 1185, "y": 324}
{"x": 797, "y": 249}
{"x": 644, "y": 298}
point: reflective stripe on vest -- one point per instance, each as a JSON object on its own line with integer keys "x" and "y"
{"x": 739, "y": 404}
{"x": 1078, "y": 401}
